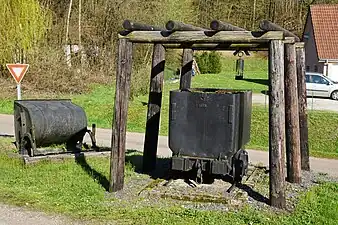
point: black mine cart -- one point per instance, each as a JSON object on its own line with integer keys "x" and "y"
{"x": 42, "y": 123}
{"x": 208, "y": 129}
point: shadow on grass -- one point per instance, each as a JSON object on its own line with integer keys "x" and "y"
{"x": 162, "y": 170}
{"x": 81, "y": 160}
{"x": 257, "y": 81}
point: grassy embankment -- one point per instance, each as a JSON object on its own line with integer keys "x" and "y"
{"x": 98, "y": 104}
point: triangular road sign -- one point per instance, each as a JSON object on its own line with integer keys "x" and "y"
{"x": 18, "y": 71}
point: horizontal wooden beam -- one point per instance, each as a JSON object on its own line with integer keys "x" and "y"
{"x": 173, "y": 25}
{"x": 220, "y": 47}
{"x": 202, "y": 36}
{"x": 219, "y": 26}
{"x": 299, "y": 44}
{"x": 267, "y": 25}
{"x": 132, "y": 26}
{"x": 289, "y": 40}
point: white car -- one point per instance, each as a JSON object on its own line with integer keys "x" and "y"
{"x": 318, "y": 85}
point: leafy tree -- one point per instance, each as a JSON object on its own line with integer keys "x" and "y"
{"x": 23, "y": 25}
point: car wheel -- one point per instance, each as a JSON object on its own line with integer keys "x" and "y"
{"x": 334, "y": 95}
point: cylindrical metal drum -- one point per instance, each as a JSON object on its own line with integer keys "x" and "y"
{"x": 46, "y": 122}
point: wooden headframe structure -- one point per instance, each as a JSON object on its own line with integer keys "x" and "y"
{"x": 288, "y": 132}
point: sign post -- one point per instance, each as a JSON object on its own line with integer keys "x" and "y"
{"x": 18, "y": 71}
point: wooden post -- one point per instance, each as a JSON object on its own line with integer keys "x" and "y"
{"x": 186, "y": 71}
{"x": 122, "y": 91}
{"x": 304, "y": 144}
{"x": 154, "y": 108}
{"x": 276, "y": 124}
{"x": 292, "y": 116}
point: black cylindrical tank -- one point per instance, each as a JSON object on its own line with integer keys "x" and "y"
{"x": 48, "y": 122}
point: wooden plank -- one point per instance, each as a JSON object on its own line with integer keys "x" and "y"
{"x": 186, "y": 71}
{"x": 154, "y": 108}
{"x": 202, "y": 36}
{"x": 221, "y": 47}
{"x": 122, "y": 91}
{"x": 173, "y": 25}
{"x": 132, "y": 26}
{"x": 267, "y": 25}
{"x": 303, "y": 123}
{"x": 223, "y": 26}
{"x": 276, "y": 124}
{"x": 292, "y": 116}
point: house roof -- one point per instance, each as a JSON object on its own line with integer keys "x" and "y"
{"x": 325, "y": 28}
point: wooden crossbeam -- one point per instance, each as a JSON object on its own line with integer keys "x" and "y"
{"x": 220, "y": 47}
{"x": 202, "y": 36}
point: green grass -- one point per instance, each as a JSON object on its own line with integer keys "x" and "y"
{"x": 98, "y": 104}
{"x": 64, "y": 187}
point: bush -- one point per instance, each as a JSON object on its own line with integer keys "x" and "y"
{"x": 209, "y": 62}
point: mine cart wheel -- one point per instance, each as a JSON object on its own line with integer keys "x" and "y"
{"x": 240, "y": 166}
{"x": 26, "y": 146}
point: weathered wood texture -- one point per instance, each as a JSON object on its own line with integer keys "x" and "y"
{"x": 202, "y": 36}
{"x": 303, "y": 123}
{"x": 179, "y": 26}
{"x": 221, "y": 47}
{"x": 132, "y": 26}
{"x": 186, "y": 71}
{"x": 292, "y": 116}
{"x": 154, "y": 108}
{"x": 122, "y": 91}
{"x": 276, "y": 124}
{"x": 266, "y": 25}
{"x": 222, "y": 26}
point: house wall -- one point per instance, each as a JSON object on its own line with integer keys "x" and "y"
{"x": 311, "y": 56}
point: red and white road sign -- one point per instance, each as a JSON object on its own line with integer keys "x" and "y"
{"x": 18, "y": 71}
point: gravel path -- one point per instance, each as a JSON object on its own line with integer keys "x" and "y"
{"x": 12, "y": 215}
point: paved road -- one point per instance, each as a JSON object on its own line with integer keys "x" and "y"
{"x": 135, "y": 142}
{"x": 312, "y": 103}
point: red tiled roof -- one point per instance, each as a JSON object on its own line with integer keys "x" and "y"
{"x": 325, "y": 28}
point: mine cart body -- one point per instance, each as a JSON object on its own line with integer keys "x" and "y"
{"x": 209, "y": 127}
{"x": 40, "y": 123}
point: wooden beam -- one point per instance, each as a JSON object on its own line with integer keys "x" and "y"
{"x": 223, "y": 26}
{"x": 186, "y": 71}
{"x": 133, "y": 26}
{"x": 292, "y": 116}
{"x": 179, "y": 26}
{"x": 122, "y": 91}
{"x": 202, "y": 37}
{"x": 303, "y": 123}
{"x": 266, "y": 25}
{"x": 221, "y": 47}
{"x": 154, "y": 108}
{"x": 276, "y": 124}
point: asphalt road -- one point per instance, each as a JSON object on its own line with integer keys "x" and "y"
{"x": 312, "y": 103}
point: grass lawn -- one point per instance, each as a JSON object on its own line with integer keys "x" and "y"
{"x": 64, "y": 187}
{"x": 323, "y": 137}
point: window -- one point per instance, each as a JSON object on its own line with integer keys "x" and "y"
{"x": 307, "y": 68}
{"x": 307, "y": 78}
{"x": 316, "y": 68}
{"x": 319, "y": 80}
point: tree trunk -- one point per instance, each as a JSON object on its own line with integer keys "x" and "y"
{"x": 68, "y": 47}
